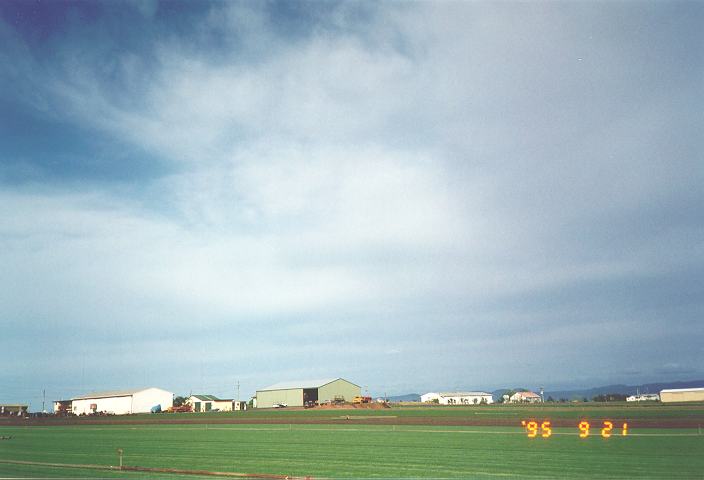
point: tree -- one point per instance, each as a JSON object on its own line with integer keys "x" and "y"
{"x": 609, "y": 397}
{"x": 178, "y": 401}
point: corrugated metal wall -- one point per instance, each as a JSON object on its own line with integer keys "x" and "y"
{"x": 292, "y": 398}
{"x": 691, "y": 396}
{"x": 339, "y": 387}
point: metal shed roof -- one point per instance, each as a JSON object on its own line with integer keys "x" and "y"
{"x": 211, "y": 398}
{"x": 302, "y": 384}
{"x": 112, "y": 393}
{"x": 463, "y": 394}
{"x": 675, "y": 390}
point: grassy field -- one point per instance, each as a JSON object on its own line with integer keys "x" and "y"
{"x": 349, "y": 450}
{"x": 692, "y": 412}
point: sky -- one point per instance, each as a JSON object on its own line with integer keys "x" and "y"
{"x": 413, "y": 196}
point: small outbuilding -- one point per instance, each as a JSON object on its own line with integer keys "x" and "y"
{"x": 300, "y": 393}
{"x": 682, "y": 395}
{"x": 209, "y": 403}
{"x": 122, "y": 402}
{"x": 643, "y": 397}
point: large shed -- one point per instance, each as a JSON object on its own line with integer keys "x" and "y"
{"x": 121, "y": 402}
{"x": 682, "y": 395}
{"x": 297, "y": 394}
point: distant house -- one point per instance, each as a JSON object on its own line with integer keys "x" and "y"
{"x": 525, "y": 397}
{"x": 644, "y": 397}
{"x": 457, "y": 398}
{"x": 209, "y": 403}
{"x": 682, "y": 395}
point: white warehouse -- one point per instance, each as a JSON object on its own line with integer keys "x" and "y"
{"x": 457, "y": 398}
{"x": 122, "y": 402}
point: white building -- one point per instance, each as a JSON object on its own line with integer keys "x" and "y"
{"x": 209, "y": 403}
{"x": 457, "y": 398}
{"x": 122, "y": 402}
{"x": 644, "y": 397}
{"x": 682, "y": 395}
{"x": 525, "y": 397}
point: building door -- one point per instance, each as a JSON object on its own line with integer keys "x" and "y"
{"x": 310, "y": 395}
{"x": 196, "y": 406}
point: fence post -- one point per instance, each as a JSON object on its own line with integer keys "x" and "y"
{"x": 120, "y": 452}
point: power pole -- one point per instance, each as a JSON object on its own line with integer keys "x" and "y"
{"x": 43, "y": 400}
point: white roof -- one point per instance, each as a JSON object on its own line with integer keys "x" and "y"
{"x": 302, "y": 384}
{"x": 112, "y": 393}
{"x": 464, "y": 394}
{"x": 526, "y": 394}
{"x": 674, "y": 390}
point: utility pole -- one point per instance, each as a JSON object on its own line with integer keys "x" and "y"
{"x": 43, "y": 400}
{"x": 239, "y": 406}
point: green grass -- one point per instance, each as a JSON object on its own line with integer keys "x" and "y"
{"x": 354, "y": 451}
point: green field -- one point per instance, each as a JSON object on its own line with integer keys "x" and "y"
{"x": 362, "y": 450}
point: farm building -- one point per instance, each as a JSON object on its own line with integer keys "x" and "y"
{"x": 525, "y": 397}
{"x": 63, "y": 407}
{"x": 209, "y": 403}
{"x": 296, "y": 394}
{"x": 13, "y": 410}
{"x": 644, "y": 397}
{"x": 682, "y": 395}
{"x": 457, "y": 398}
{"x": 122, "y": 402}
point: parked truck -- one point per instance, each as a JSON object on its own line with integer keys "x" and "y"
{"x": 359, "y": 399}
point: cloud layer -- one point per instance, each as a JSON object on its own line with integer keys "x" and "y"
{"x": 412, "y": 196}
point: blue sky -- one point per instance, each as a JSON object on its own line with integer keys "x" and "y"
{"x": 414, "y": 196}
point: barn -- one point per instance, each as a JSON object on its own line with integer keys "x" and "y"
{"x": 682, "y": 395}
{"x": 121, "y": 402}
{"x": 297, "y": 394}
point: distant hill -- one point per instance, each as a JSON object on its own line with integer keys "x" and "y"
{"x": 497, "y": 394}
{"x": 622, "y": 389}
{"x": 409, "y": 397}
